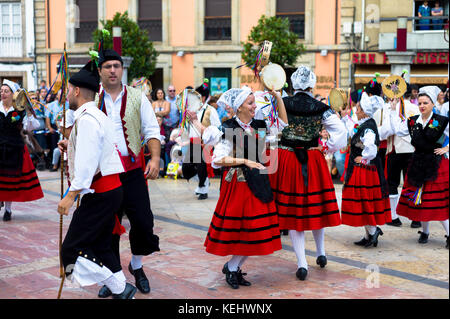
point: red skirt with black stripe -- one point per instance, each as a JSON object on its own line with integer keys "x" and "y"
{"x": 21, "y": 186}
{"x": 362, "y": 200}
{"x": 435, "y": 196}
{"x": 242, "y": 224}
{"x": 299, "y": 207}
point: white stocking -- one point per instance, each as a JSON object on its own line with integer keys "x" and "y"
{"x": 298, "y": 241}
{"x": 426, "y": 227}
{"x": 319, "y": 238}
{"x": 445, "y": 224}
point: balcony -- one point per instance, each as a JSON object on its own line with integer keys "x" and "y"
{"x": 10, "y": 46}
{"x": 83, "y": 34}
{"x": 419, "y": 38}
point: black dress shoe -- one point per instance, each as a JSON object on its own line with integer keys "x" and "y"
{"x": 301, "y": 273}
{"x": 141, "y": 280}
{"x": 6, "y": 216}
{"x": 231, "y": 278}
{"x": 395, "y": 222}
{"x": 240, "y": 275}
{"x": 362, "y": 242}
{"x": 202, "y": 196}
{"x": 446, "y": 246}
{"x": 423, "y": 239}
{"x": 240, "y": 278}
{"x": 373, "y": 239}
{"x": 416, "y": 224}
{"x": 128, "y": 293}
{"x": 284, "y": 232}
{"x": 104, "y": 292}
{"x": 321, "y": 261}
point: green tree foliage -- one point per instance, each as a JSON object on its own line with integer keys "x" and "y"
{"x": 135, "y": 43}
{"x": 285, "y": 48}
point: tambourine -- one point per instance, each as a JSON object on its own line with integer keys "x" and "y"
{"x": 21, "y": 101}
{"x": 273, "y": 76}
{"x": 394, "y": 86}
{"x": 176, "y": 154}
{"x": 189, "y": 100}
{"x": 265, "y": 55}
{"x": 338, "y": 99}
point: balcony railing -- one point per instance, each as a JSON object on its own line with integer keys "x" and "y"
{"x": 10, "y": 46}
{"x": 217, "y": 28}
{"x": 153, "y": 27}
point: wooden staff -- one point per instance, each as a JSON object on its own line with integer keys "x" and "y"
{"x": 63, "y": 100}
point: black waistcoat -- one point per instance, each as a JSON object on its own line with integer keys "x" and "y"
{"x": 11, "y": 141}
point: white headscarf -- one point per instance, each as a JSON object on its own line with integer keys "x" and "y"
{"x": 431, "y": 91}
{"x": 303, "y": 78}
{"x": 370, "y": 104}
{"x": 234, "y": 98}
{"x": 12, "y": 85}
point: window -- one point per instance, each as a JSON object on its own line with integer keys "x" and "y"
{"x": 10, "y": 30}
{"x": 427, "y": 19}
{"x": 295, "y": 12}
{"x": 219, "y": 79}
{"x": 88, "y": 10}
{"x": 150, "y": 18}
{"x": 218, "y": 20}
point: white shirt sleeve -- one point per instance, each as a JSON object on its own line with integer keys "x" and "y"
{"x": 274, "y": 130}
{"x": 337, "y": 131}
{"x": 370, "y": 149}
{"x": 149, "y": 125}
{"x": 30, "y": 123}
{"x": 399, "y": 127}
{"x": 349, "y": 125}
{"x": 214, "y": 118}
{"x": 90, "y": 137}
{"x": 221, "y": 150}
{"x": 212, "y": 135}
{"x": 385, "y": 130}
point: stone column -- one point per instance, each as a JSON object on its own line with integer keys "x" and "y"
{"x": 399, "y": 61}
{"x": 126, "y": 64}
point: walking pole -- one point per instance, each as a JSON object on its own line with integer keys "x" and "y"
{"x": 64, "y": 78}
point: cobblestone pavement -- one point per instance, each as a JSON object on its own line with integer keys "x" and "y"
{"x": 399, "y": 268}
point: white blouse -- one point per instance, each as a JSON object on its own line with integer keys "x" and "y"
{"x": 30, "y": 123}
{"x": 370, "y": 149}
{"x": 223, "y": 147}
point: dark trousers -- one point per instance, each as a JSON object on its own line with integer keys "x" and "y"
{"x": 136, "y": 205}
{"x": 90, "y": 231}
{"x": 397, "y": 164}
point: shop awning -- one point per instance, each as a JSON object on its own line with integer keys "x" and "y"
{"x": 420, "y": 76}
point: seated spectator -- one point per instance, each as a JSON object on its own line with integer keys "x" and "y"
{"x": 53, "y": 136}
{"x": 438, "y": 24}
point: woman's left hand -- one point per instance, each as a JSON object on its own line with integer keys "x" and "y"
{"x": 441, "y": 151}
{"x": 274, "y": 93}
{"x": 358, "y": 159}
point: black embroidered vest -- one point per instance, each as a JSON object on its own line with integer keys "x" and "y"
{"x": 11, "y": 141}
{"x": 424, "y": 164}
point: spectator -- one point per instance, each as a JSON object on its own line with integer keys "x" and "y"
{"x": 173, "y": 118}
{"x": 42, "y": 95}
{"x": 41, "y": 131}
{"x": 221, "y": 111}
{"x": 414, "y": 94}
{"x": 436, "y": 12}
{"x": 424, "y": 11}
{"x": 322, "y": 141}
{"x": 162, "y": 160}
{"x": 160, "y": 105}
{"x": 43, "y": 85}
{"x": 440, "y": 102}
{"x": 53, "y": 136}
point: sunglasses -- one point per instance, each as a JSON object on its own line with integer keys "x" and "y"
{"x": 171, "y": 90}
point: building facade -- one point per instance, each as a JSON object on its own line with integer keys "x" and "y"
{"x": 18, "y": 25}
{"x": 367, "y": 43}
{"x": 196, "y": 39}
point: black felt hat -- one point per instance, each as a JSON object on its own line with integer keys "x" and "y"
{"x": 203, "y": 89}
{"x": 87, "y": 77}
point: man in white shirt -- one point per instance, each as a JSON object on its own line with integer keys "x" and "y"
{"x": 94, "y": 167}
{"x": 399, "y": 151}
{"x": 133, "y": 117}
{"x": 194, "y": 162}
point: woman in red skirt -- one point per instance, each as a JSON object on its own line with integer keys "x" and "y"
{"x": 245, "y": 221}
{"x": 425, "y": 192}
{"x": 18, "y": 179}
{"x": 302, "y": 185}
{"x": 365, "y": 195}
